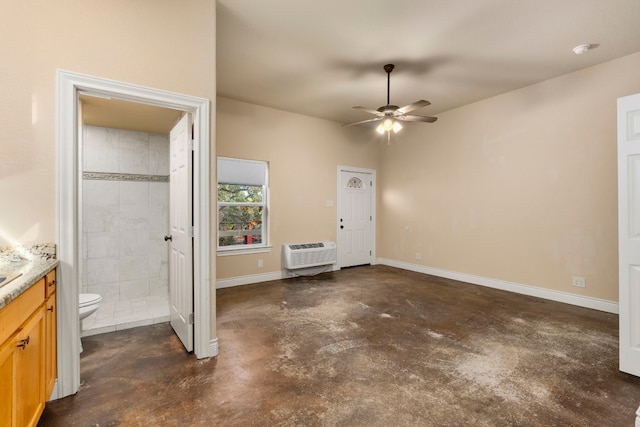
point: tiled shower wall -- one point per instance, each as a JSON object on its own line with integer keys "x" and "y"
{"x": 125, "y": 213}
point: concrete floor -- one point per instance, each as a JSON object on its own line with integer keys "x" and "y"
{"x": 373, "y": 346}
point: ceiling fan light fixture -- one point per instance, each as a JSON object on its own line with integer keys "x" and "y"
{"x": 390, "y": 116}
{"x": 388, "y": 125}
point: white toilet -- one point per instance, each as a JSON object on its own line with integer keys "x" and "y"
{"x": 89, "y": 303}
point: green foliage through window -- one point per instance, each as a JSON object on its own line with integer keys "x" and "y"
{"x": 239, "y": 193}
{"x": 240, "y": 214}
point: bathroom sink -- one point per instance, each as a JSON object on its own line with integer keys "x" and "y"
{"x": 6, "y": 278}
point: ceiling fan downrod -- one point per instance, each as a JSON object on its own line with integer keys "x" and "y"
{"x": 388, "y": 68}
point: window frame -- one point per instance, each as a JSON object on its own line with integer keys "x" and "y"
{"x": 246, "y": 248}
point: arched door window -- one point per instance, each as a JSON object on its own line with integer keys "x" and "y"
{"x": 355, "y": 182}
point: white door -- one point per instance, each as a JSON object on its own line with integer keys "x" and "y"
{"x": 629, "y": 232}
{"x": 355, "y": 218}
{"x": 180, "y": 222}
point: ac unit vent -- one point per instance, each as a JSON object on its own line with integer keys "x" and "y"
{"x": 306, "y": 246}
{"x": 301, "y": 255}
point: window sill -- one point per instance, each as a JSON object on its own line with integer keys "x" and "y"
{"x": 243, "y": 251}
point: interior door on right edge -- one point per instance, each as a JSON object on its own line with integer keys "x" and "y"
{"x": 355, "y": 219}
{"x": 629, "y": 232}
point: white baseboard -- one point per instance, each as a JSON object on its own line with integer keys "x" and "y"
{"x": 565, "y": 297}
{"x": 250, "y": 279}
{"x": 54, "y": 391}
{"x": 213, "y": 348}
{"x": 266, "y": 277}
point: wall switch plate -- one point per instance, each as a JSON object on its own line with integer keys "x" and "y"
{"x": 260, "y": 263}
{"x": 418, "y": 255}
{"x": 579, "y": 282}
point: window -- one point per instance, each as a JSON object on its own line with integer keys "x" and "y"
{"x": 355, "y": 182}
{"x": 242, "y": 204}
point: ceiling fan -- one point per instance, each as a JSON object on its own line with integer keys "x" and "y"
{"x": 390, "y": 115}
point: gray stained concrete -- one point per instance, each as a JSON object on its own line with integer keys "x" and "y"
{"x": 367, "y": 346}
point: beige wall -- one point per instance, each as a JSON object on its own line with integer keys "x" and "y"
{"x": 165, "y": 45}
{"x": 303, "y": 155}
{"x": 521, "y": 187}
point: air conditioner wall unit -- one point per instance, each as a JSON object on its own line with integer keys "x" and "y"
{"x": 303, "y": 255}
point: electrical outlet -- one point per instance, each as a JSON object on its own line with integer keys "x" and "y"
{"x": 418, "y": 255}
{"x": 579, "y": 282}
{"x": 260, "y": 263}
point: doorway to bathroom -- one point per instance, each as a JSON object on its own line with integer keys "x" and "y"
{"x": 70, "y": 215}
{"x": 125, "y": 215}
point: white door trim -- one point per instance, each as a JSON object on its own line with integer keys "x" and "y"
{"x": 69, "y": 85}
{"x": 374, "y": 196}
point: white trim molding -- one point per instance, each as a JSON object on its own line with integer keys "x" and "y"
{"x": 534, "y": 291}
{"x": 250, "y": 279}
{"x": 244, "y": 250}
{"x": 264, "y": 277}
{"x": 213, "y": 346}
{"x": 69, "y": 174}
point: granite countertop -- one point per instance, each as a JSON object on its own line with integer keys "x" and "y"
{"x": 33, "y": 261}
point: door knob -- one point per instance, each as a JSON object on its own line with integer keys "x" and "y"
{"x": 341, "y": 227}
{"x": 167, "y": 238}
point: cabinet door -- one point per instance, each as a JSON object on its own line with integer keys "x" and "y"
{"x": 50, "y": 360}
{"x": 6, "y": 383}
{"x": 50, "y": 283}
{"x": 29, "y": 370}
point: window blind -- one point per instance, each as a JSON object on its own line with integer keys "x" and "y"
{"x": 238, "y": 171}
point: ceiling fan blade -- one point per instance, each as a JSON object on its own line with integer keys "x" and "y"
{"x": 413, "y": 106}
{"x": 368, "y": 110}
{"x": 364, "y": 121}
{"x": 418, "y": 119}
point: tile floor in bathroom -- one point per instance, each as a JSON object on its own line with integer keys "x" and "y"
{"x": 119, "y": 315}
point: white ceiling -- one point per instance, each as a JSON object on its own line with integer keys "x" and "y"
{"x": 320, "y": 58}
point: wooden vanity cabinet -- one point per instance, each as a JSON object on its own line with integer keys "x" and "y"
{"x": 27, "y": 329}
{"x": 29, "y": 370}
{"x": 6, "y": 384}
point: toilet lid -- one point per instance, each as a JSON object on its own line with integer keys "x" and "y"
{"x": 89, "y": 299}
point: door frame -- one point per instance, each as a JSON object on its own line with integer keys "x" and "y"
{"x": 374, "y": 196}
{"x": 68, "y": 88}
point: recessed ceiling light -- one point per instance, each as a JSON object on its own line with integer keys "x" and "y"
{"x": 582, "y": 48}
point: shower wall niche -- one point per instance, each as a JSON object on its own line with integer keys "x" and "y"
{"x": 125, "y": 214}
